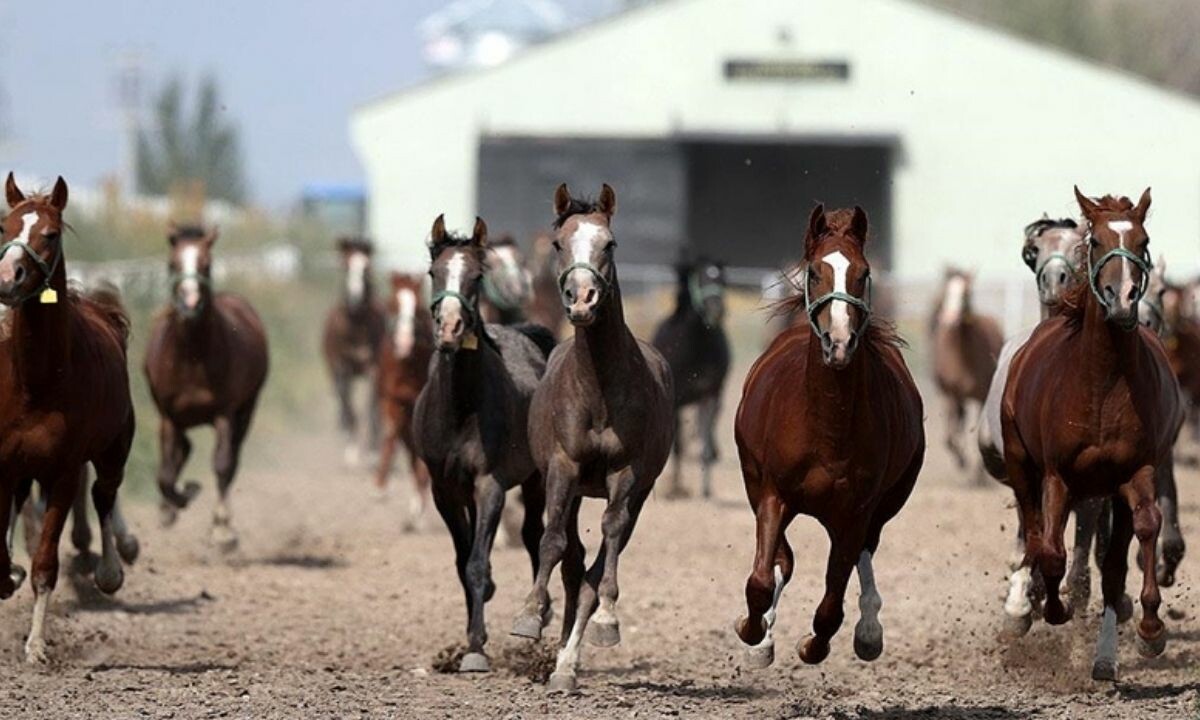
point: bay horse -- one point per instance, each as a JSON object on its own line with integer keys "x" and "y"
{"x": 545, "y": 304}
{"x": 966, "y": 346}
{"x": 354, "y": 330}
{"x": 403, "y": 367}
{"x": 693, "y": 341}
{"x": 470, "y": 421}
{"x": 600, "y": 424}
{"x": 829, "y": 425}
{"x": 206, "y": 363}
{"x": 1091, "y": 409}
{"x": 1182, "y": 339}
{"x": 507, "y": 285}
{"x": 64, "y": 398}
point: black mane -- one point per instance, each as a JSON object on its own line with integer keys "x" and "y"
{"x": 449, "y": 240}
{"x": 1037, "y": 227}
{"x": 577, "y": 206}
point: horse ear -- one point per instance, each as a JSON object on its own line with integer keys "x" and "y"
{"x": 1160, "y": 267}
{"x": 1086, "y": 204}
{"x": 438, "y": 233}
{"x": 859, "y": 224}
{"x": 479, "y": 234}
{"x": 58, "y": 196}
{"x": 608, "y": 200}
{"x": 562, "y": 199}
{"x": 1143, "y": 206}
{"x": 816, "y": 226}
{"x": 12, "y": 192}
{"x": 342, "y": 243}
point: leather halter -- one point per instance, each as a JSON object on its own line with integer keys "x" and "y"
{"x": 47, "y": 268}
{"x": 812, "y": 307}
{"x": 1143, "y": 263}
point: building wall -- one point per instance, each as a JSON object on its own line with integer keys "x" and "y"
{"x": 992, "y": 131}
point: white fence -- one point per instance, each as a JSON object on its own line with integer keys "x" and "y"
{"x": 278, "y": 262}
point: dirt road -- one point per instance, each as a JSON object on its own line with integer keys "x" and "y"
{"x": 329, "y": 611}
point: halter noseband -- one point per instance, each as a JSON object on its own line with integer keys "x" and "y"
{"x": 48, "y": 268}
{"x": 698, "y": 293}
{"x": 812, "y": 307}
{"x": 605, "y": 285}
{"x": 467, "y": 306}
{"x": 1041, "y": 269}
{"x": 1145, "y": 264}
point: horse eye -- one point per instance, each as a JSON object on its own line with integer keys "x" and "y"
{"x": 557, "y": 246}
{"x": 612, "y": 244}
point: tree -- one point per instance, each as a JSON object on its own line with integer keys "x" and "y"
{"x": 178, "y": 151}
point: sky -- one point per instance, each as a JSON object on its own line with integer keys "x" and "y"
{"x": 290, "y": 73}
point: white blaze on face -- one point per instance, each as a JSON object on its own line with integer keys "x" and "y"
{"x": 189, "y": 264}
{"x": 954, "y": 300}
{"x": 839, "y": 310}
{"x": 28, "y": 220}
{"x": 1120, "y": 227}
{"x": 454, "y": 279}
{"x": 356, "y": 276}
{"x": 406, "y": 314}
{"x": 582, "y": 245}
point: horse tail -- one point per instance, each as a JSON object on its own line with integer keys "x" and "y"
{"x": 540, "y": 336}
{"x": 107, "y": 299}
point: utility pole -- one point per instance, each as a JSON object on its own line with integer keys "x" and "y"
{"x": 128, "y": 88}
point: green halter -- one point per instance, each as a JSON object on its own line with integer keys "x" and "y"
{"x": 812, "y": 307}
{"x": 1041, "y": 269}
{"x": 47, "y": 269}
{"x": 605, "y": 285}
{"x": 1145, "y": 264}
{"x": 699, "y": 293}
{"x": 467, "y": 305}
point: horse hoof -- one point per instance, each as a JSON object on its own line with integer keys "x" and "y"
{"x": 812, "y": 649}
{"x": 16, "y": 576}
{"x": 1124, "y": 609}
{"x": 1058, "y": 613}
{"x": 109, "y": 578}
{"x": 1018, "y": 625}
{"x": 1153, "y": 647}
{"x": 1166, "y": 576}
{"x": 527, "y": 626}
{"x": 760, "y": 656}
{"x": 167, "y": 514}
{"x": 604, "y": 633}
{"x": 191, "y": 489}
{"x": 224, "y": 539}
{"x": 35, "y": 652}
{"x": 474, "y": 662}
{"x": 562, "y": 682}
{"x": 868, "y": 641}
{"x": 1104, "y": 670}
{"x": 128, "y": 548}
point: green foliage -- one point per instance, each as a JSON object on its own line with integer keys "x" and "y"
{"x": 181, "y": 152}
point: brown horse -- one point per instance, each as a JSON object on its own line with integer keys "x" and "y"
{"x": 507, "y": 287}
{"x": 471, "y": 420}
{"x": 830, "y": 426}
{"x": 966, "y": 346}
{"x": 600, "y": 426}
{"x": 354, "y": 329}
{"x": 403, "y": 367}
{"x": 64, "y": 397}
{"x": 1091, "y": 409}
{"x": 206, "y": 363}
{"x": 545, "y": 304}
{"x": 1182, "y": 338}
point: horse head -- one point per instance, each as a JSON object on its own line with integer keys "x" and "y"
{"x": 584, "y": 245}
{"x": 837, "y": 281}
{"x": 458, "y": 265}
{"x": 32, "y": 251}
{"x": 1118, "y": 255}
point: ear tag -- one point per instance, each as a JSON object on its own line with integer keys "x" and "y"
{"x": 470, "y": 342}
{"x": 48, "y": 297}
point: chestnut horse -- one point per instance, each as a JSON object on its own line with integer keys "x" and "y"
{"x": 966, "y": 346}
{"x": 1091, "y": 409}
{"x": 353, "y": 333}
{"x": 206, "y": 362}
{"x": 403, "y": 367}
{"x": 600, "y": 426}
{"x": 830, "y": 425}
{"x": 470, "y": 421}
{"x": 693, "y": 341}
{"x": 64, "y": 398}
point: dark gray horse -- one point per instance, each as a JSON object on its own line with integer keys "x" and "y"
{"x": 601, "y": 426}
{"x": 693, "y": 341}
{"x": 470, "y": 421}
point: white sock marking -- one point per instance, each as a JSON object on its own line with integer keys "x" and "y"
{"x": 1017, "y": 604}
{"x": 869, "y": 600}
{"x": 1106, "y": 645}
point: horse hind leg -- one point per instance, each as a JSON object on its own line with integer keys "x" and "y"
{"x": 677, "y": 491}
{"x": 1113, "y": 573}
{"x": 707, "y": 416}
{"x": 231, "y": 433}
{"x": 1139, "y": 494}
{"x": 1172, "y": 546}
{"x": 533, "y": 497}
{"x": 844, "y": 552}
{"x": 1079, "y": 578}
{"x": 489, "y": 500}
{"x": 81, "y": 532}
{"x": 561, "y": 477}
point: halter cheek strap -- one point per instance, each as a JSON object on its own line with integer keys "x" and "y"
{"x": 812, "y": 307}
{"x": 47, "y": 268}
{"x": 1041, "y": 269}
{"x": 1143, "y": 263}
{"x": 699, "y": 293}
{"x": 466, "y": 304}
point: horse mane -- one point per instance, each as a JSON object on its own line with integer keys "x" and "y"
{"x": 189, "y": 231}
{"x": 576, "y": 206}
{"x": 450, "y": 239}
{"x": 505, "y": 240}
{"x": 1073, "y": 303}
{"x": 1037, "y": 227}
{"x": 1114, "y": 204}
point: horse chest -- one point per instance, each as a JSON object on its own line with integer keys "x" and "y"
{"x": 38, "y": 436}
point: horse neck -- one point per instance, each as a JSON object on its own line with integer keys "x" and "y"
{"x": 602, "y": 347}
{"x": 832, "y": 396}
{"x": 1108, "y": 351}
{"x": 41, "y": 337}
{"x": 458, "y": 382}
{"x": 196, "y": 334}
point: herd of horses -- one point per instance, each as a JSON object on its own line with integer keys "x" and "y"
{"x": 466, "y": 369}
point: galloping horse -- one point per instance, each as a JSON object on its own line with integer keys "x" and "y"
{"x": 1091, "y": 409}
{"x": 600, "y": 425}
{"x": 1054, "y": 251}
{"x": 353, "y": 333}
{"x": 470, "y": 421}
{"x": 1182, "y": 339}
{"x": 695, "y": 346}
{"x": 830, "y": 426}
{"x": 206, "y": 362}
{"x": 64, "y": 398}
{"x": 403, "y": 368}
{"x": 545, "y": 306}
{"x": 966, "y": 346}
{"x": 506, "y": 284}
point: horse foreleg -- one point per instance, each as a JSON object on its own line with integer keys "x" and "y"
{"x": 1139, "y": 494}
{"x": 1112, "y": 584}
{"x": 1079, "y": 578}
{"x": 707, "y": 419}
{"x": 1052, "y": 558}
{"x": 174, "y": 449}
{"x": 624, "y": 505}
{"x": 347, "y": 421}
{"x": 387, "y": 456}
{"x": 1172, "y": 548}
{"x": 560, "y": 494}
{"x": 533, "y": 497}
{"x": 765, "y": 584}
{"x": 489, "y": 504}
{"x": 955, "y": 416}
{"x": 225, "y": 463}
{"x": 45, "y": 560}
{"x": 677, "y": 491}
{"x": 81, "y": 532}
{"x": 844, "y": 552}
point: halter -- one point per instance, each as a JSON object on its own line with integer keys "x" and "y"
{"x": 48, "y": 269}
{"x": 699, "y": 293}
{"x": 1041, "y": 269}
{"x": 812, "y": 307}
{"x": 1145, "y": 264}
{"x": 605, "y": 285}
{"x": 467, "y": 305}
{"x": 177, "y": 279}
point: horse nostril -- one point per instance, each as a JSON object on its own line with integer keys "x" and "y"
{"x": 1109, "y": 292}
{"x": 853, "y": 341}
{"x": 19, "y": 274}
{"x": 458, "y": 326}
{"x": 1133, "y": 294}
{"x": 1062, "y": 277}
{"x": 570, "y": 293}
{"x": 591, "y": 296}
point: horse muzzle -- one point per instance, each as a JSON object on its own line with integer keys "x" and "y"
{"x": 838, "y": 353}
